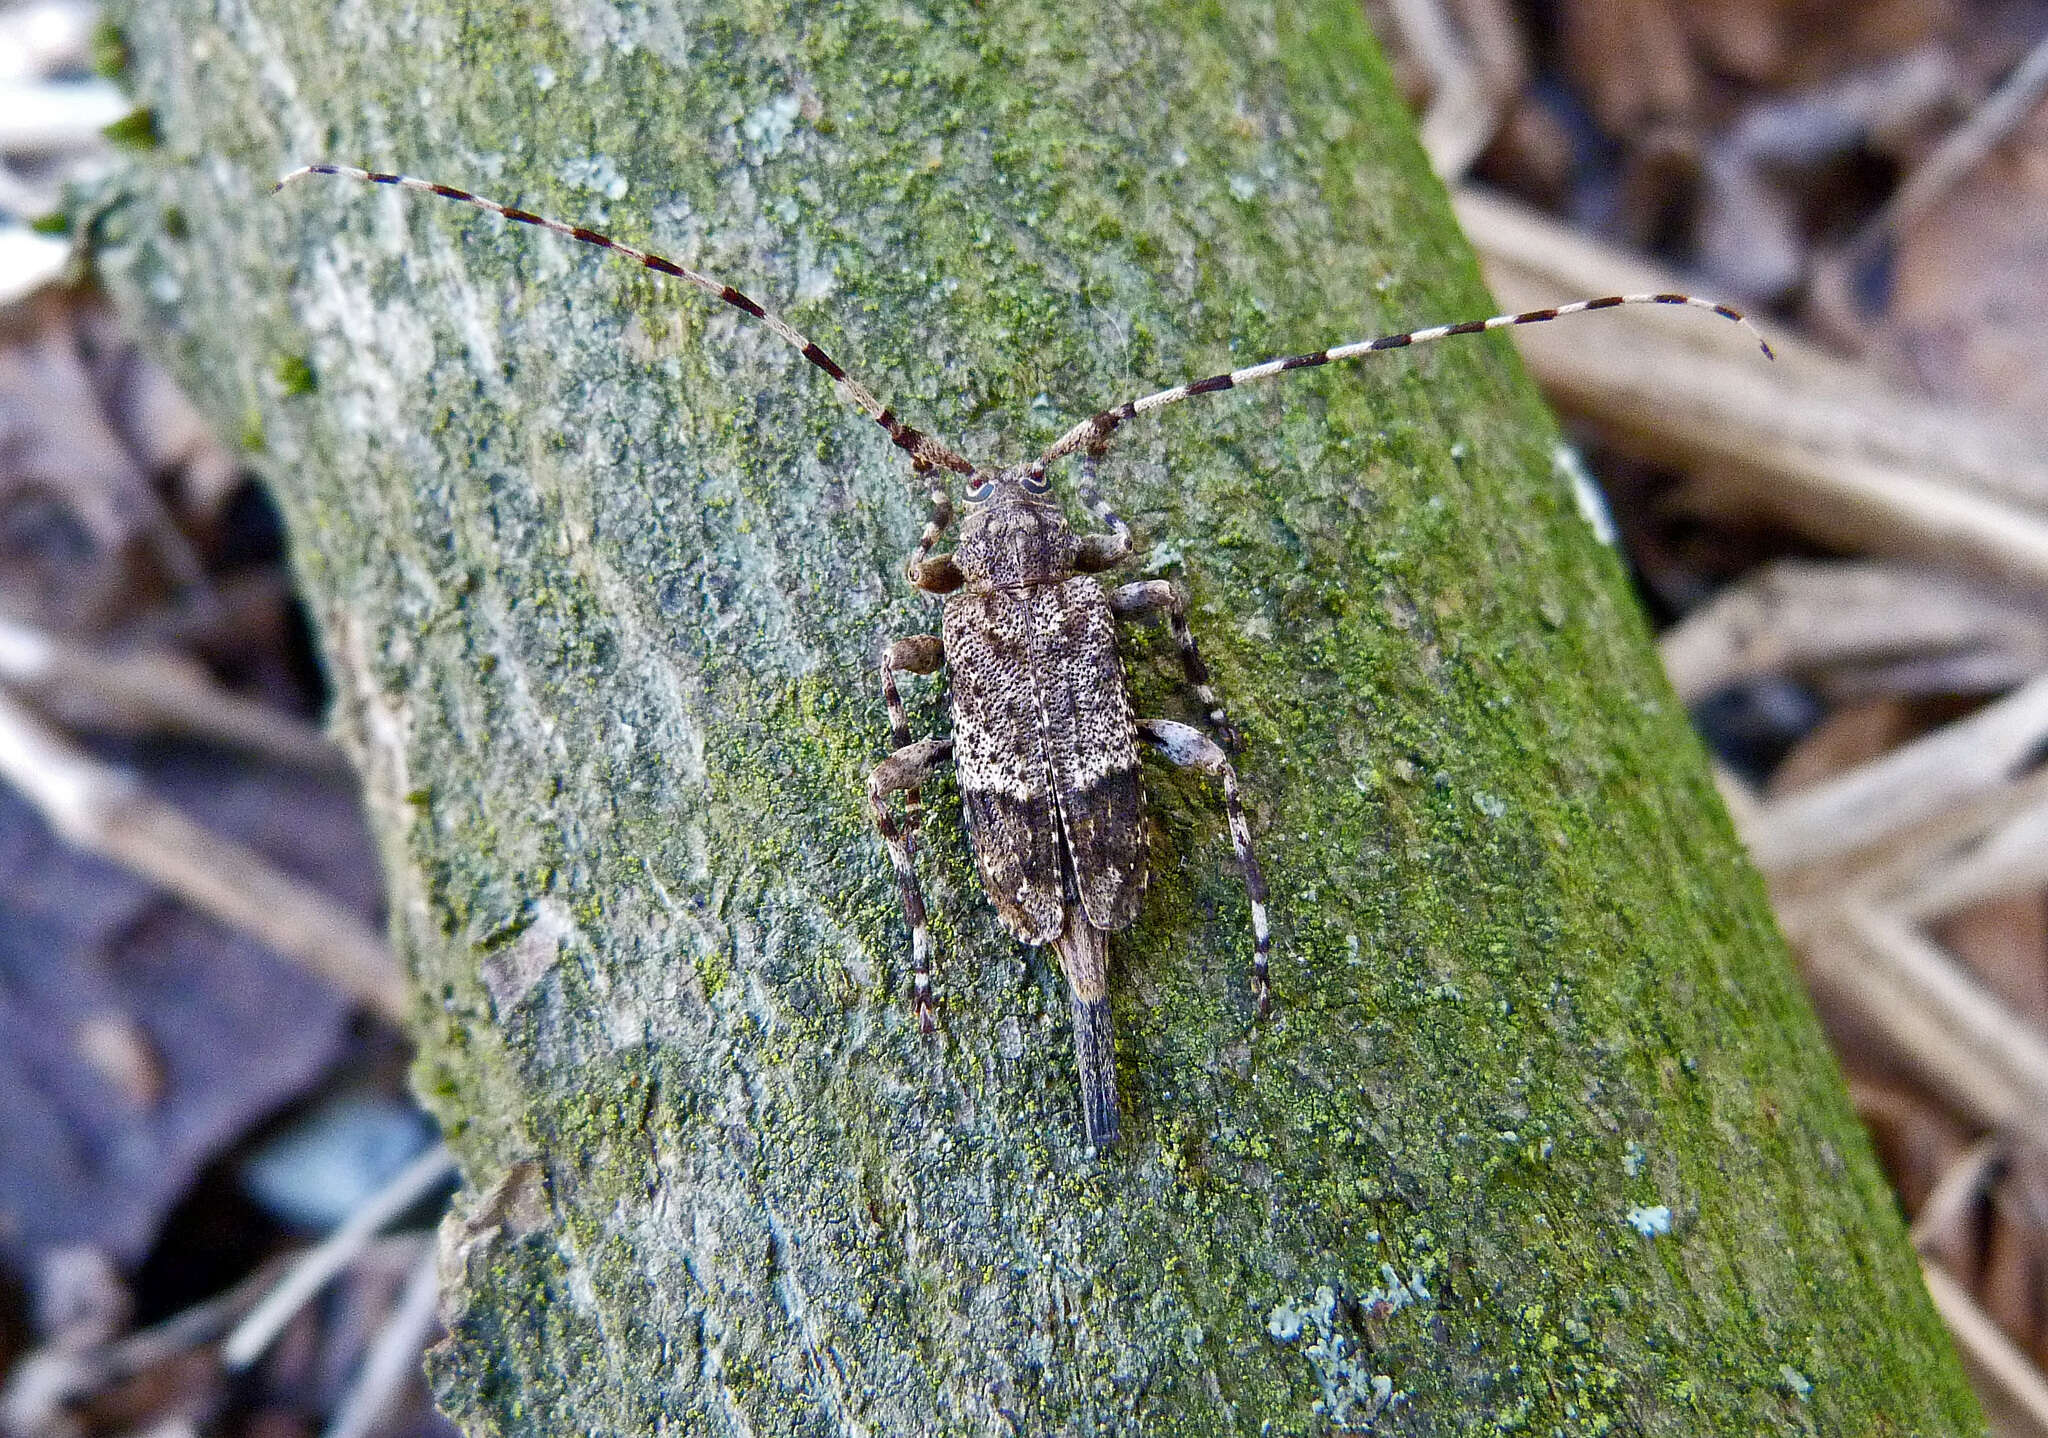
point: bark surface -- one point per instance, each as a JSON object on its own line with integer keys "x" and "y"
{"x": 1541, "y": 1136}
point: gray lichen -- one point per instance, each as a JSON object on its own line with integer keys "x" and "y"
{"x": 1353, "y": 1394}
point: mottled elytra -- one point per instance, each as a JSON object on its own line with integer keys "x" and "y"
{"x": 1044, "y": 741}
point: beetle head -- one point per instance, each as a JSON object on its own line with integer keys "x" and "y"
{"x": 1014, "y": 534}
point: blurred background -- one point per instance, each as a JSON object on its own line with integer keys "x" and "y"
{"x": 216, "y": 1196}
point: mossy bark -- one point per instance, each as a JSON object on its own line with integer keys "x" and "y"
{"x": 1540, "y": 1137}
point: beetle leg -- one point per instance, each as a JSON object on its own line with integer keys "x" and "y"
{"x": 919, "y": 654}
{"x": 908, "y": 767}
{"x": 1190, "y": 748}
{"x": 1150, "y": 596}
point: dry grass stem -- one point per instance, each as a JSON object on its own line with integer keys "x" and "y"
{"x": 1984, "y": 752}
{"x": 310, "y": 1273}
{"x": 103, "y": 810}
{"x": 47, "y": 1380}
{"x": 1812, "y": 441}
{"x": 1738, "y": 796}
{"x": 1966, "y": 1045}
{"x": 393, "y": 1358}
{"x": 1857, "y": 627}
{"x": 2005, "y": 862}
{"x": 152, "y": 693}
{"x": 1947, "y": 1206}
{"x": 1463, "y": 112}
{"x": 2013, "y": 1390}
{"x": 1921, "y": 870}
{"x": 2002, "y": 112}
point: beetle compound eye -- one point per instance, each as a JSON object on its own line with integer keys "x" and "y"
{"x": 980, "y": 491}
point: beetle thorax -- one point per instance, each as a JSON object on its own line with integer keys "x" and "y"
{"x": 1014, "y": 541}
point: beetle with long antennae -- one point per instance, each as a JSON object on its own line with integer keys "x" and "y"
{"x": 1044, "y": 742}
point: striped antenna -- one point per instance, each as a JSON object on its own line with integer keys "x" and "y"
{"x": 924, "y": 451}
{"x": 1093, "y": 434}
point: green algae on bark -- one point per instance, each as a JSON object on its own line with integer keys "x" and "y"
{"x": 1541, "y": 1137}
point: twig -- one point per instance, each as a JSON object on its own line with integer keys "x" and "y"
{"x": 317, "y": 1265}
{"x": 1814, "y": 442}
{"x": 101, "y": 809}
{"x": 1989, "y": 749}
{"x": 45, "y": 1381}
{"x": 1982, "y": 1058}
{"x": 394, "y": 1356}
{"x": 1961, "y": 151}
{"x": 144, "y": 693}
{"x": 1961, "y": 1184}
{"x": 2004, "y": 1375}
{"x": 1805, "y": 618}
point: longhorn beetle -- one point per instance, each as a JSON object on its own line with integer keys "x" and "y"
{"x": 1044, "y": 739}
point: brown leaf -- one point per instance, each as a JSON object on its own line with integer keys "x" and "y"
{"x": 1969, "y": 316}
{"x": 2006, "y": 945}
{"x": 1631, "y": 62}
{"x": 217, "y": 1030}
